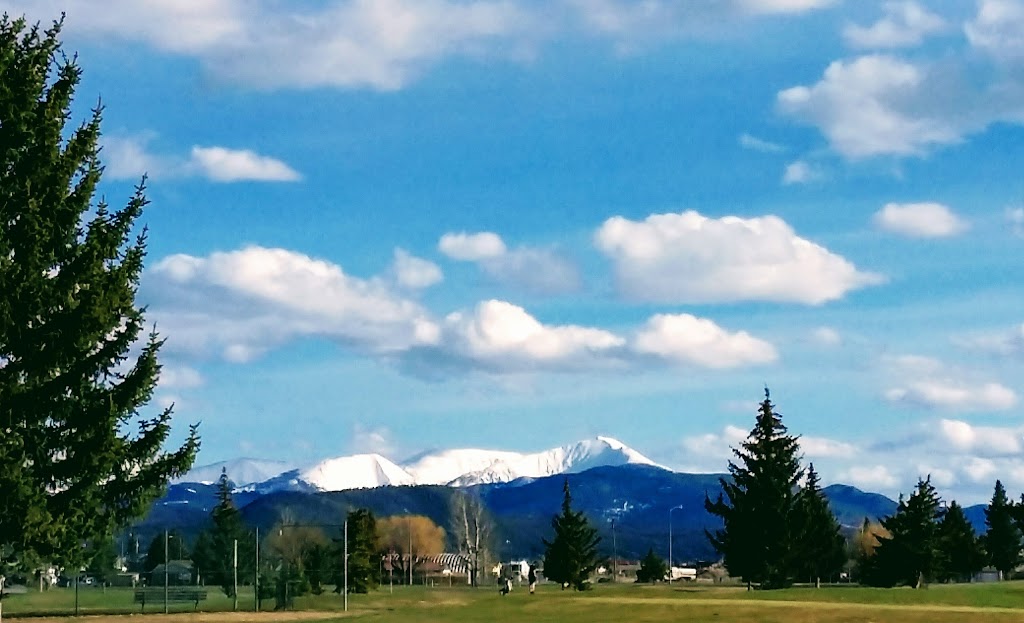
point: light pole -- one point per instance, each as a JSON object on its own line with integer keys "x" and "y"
{"x": 670, "y": 541}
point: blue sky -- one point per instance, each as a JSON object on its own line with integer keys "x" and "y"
{"x": 395, "y": 225}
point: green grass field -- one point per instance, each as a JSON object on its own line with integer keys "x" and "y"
{"x": 627, "y": 603}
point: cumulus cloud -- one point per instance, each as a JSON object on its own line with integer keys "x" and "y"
{"x": 535, "y": 269}
{"x": 920, "y": 220}
{"x": 880, "y": 104}
{"x": 928, "y": 382}
{"x": 502, "y": 336}
{"x": 871, "y": 477}
{"x": 472, "y": 247}
{"x": 905, "y": 24}
{"x": 821, "y": 447}
{"x": 748, "y": 141}
{"x": 984, "y": 441}
{"x": 414, "y": 272}
{"x": 686, "y": 339}
{"x": 998, "y": 29}
{"x": 221, "y": 164}
{"x": 1015, "y": 217}
{"x": 238, "y": 304}
{"x": 690, "y": 258}
{"x": 372, "y": 441}
{"x": 128, "y": 157}
{"x": 800, "y": 172}
{"x": 179, "y": 377}
{"x": 715, "y": 445}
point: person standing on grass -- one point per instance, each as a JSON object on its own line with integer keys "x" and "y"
{"x": 532, "y": 577}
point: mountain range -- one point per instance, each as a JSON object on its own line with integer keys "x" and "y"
{"x": 631, "y": 500}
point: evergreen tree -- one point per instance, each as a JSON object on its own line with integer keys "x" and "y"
{"x": 176, "y": 549}
{"x": 215, "y": 550}
{"x": 653, "y": 568}
{"x": 758, "y": 506}
{"x": 963, "y": 552}
{"x": 364, "y": 553}
{"x": 822, "y": 547}
{"x": 1003, "y": 538}
{"x": 571, "y": 556}
{"x": 78, "y": 457}
{"x": 912, "y": 554}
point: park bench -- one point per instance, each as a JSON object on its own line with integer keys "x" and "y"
{"x": 155, "y": 595}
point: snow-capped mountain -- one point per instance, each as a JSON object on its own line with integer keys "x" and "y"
{"x": 242, "y": 472}
{"x": 463, "y": 467}
{"x": 574, "y": 458}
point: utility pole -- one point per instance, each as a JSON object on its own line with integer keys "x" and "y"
{"x": 346, "y": 565}
{"x": 256, "y": 574}
{"x": 167, "y": 564}
{"x": 615, "y": 556}
{"x": 234, "y": 571}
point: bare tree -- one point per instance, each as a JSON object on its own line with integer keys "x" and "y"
{"x": 473, "y": 531}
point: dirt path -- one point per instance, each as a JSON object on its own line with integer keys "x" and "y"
{"x": 199, "y": 617}
{"x": 826, "y": 605}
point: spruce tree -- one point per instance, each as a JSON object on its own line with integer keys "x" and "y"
{"x": 1003, "y": 538}
{"x": 758, "y": 505}
{"x": 363, "y": 553}
{"x": 79, "y": 455}
{"x": 822, "y": 547}
{"x": 912, "y": 554}
{"x": 215, "y": 549}
{"x": 571, "y": 556}
{"x": 963, "y": 555}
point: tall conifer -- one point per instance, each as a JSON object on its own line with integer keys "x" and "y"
{"x": 571, "y": 556}
{"x": 78, "y": 455}
{"x": 822, "y": 547}
{"x": 1003, "y": 538}
{"x": 758, "y": 506}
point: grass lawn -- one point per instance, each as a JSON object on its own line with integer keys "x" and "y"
{"x": 627, "y": 603}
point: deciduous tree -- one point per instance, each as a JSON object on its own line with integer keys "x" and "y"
{"x": 408, "y": 540}
{"x": 80, "y": 454}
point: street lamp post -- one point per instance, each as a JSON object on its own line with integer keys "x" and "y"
{"x": 670, "y": 541}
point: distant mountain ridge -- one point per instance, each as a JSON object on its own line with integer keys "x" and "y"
{"x": 460, "y": 467}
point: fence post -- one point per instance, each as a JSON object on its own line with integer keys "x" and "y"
{"x": 167, "y": 564}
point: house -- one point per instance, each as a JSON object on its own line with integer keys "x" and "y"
{"x": 178, "y": 572}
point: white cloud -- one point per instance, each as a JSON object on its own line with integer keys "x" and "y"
{"x": 820, "y": 447}
{"x": 826, "y": 336}
{"x": 905, "y": 24}
{"x": 504, "y": 335}
{"x": 715, "y": 445}
{"x": 127, "y": 157}
{"x": 372, "y": 440}
{"x": 998, "y": 29}
{"x": 928, "y": 382}
{"x": 690, "y": 258}
{"x": 869, "y": 477}
{"x": 414, "y": 272}
{"x": 983, "y": 441}
{"x": 472, "y": 247}
{"x": 783, "y": 6}
{"x": 1015, "y": 217}
{"x": 869, "y": 106}
{"x": 800, "y": 172}
{"x": 756, "y": 144}
{"x": 685, "y": 339}
{"x": 179, "y": 377}
{"x": 1008, "y": 343}
{"x": 535, "y": 269}
{"x": 920, "y": 220}
{"x": 238, "y": 304}
{"x": 955, "y": 394}
{"x": 979, "y": 470}
{"x": 221, "y": 164}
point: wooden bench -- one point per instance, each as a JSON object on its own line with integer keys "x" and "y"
{"x": 155, "y": 595}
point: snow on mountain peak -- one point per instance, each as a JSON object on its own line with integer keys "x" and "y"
{"x": 362, "y": 471}
{"x": 459, "y": 467}
{"x": 241, "y": 472}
